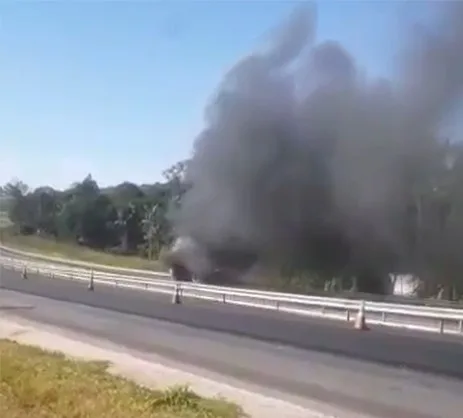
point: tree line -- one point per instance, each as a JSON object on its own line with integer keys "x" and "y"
{"x": 134, "y": 219}
{"x": 125, "y": 219}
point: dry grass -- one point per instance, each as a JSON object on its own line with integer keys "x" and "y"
{"x": 39, "y": 384}
{"x": 54, "y": 248}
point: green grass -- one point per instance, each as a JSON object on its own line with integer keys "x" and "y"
{"x": 52, "y": 248}
{"x": 37, "y": 383}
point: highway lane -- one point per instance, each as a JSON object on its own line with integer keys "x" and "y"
{"x": 297, "y": 375}
{"x": 414, "y": 350}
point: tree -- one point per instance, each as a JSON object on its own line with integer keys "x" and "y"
{"x": 21, "y": 212}
{"x": 175, "y": 178}
{"x": 129, "y": 226}
{"x": 125, "y": 193}
{"x": 151, "y": 229}
{"x": 422, "y": 236}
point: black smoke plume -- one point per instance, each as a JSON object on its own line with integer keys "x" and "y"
{"x": 305, "y": 158}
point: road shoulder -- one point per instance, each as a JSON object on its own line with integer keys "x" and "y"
{"x": 153, "y": 372}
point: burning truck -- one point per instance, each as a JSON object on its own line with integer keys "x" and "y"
{"x": 190, "y": 261}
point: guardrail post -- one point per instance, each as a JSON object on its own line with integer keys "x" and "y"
{"x": 90, "y": 284}
{"x": 176, "y": 296}
{"x": 460, "y": 326}
{"x": 24, "y": 273}
{"x": 348, "y": 315}
{"x": 441, "y": 326}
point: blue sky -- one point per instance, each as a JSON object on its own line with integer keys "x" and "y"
{"x": 117, "y": 89}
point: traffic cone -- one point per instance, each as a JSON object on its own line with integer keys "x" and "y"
{"x": 176, "y": 295}
{"x": 360, "y": 323}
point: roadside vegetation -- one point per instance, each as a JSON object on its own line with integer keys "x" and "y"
{"x": 37, "y": 383}
{"x": 51, "y": 247}
{"x": 130, "y": 226}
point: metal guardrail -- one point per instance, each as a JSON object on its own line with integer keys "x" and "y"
{"x": 76, "y": 263}
{"x": 439, "y": 320}
{"x": 147, "y": 274}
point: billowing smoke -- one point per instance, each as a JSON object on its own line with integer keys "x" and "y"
{"x": 305, "y": 157}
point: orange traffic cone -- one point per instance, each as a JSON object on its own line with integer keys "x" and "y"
{"x": 360, "y": 323}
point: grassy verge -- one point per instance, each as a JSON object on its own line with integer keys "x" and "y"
{"x": 53, "y": 248}
{"x": 36, "y": 383}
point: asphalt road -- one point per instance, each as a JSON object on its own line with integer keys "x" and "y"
{"x": 415, "y": 350}
{"x": 298, "y": 375}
